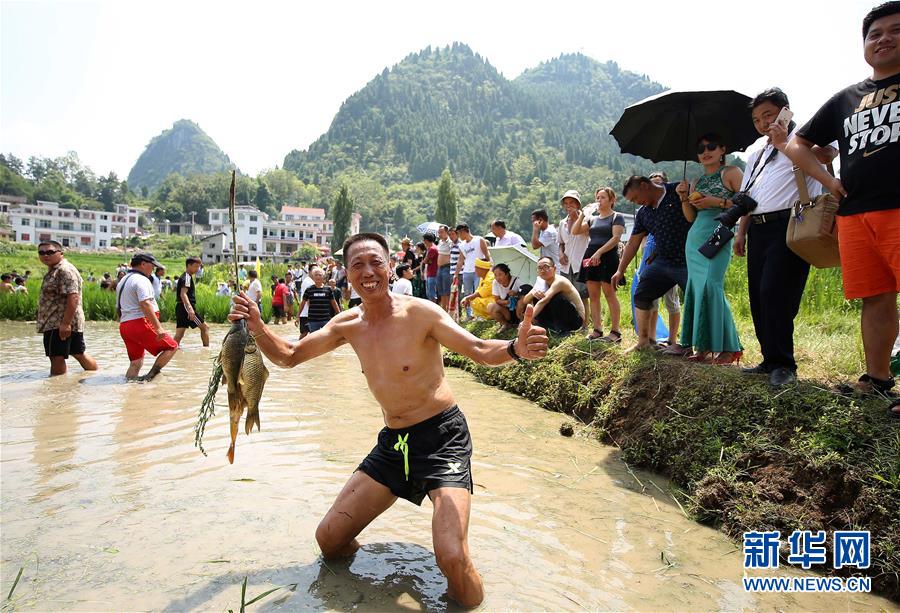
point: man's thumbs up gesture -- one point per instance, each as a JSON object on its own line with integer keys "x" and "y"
{"x": 531, "y": 343}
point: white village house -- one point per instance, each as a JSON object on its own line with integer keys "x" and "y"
{"x": 77, "y": 229}
{"x": 258, "y": 236}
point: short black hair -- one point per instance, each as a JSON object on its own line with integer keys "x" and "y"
{"x": 540, "y": 214}
{"x": 401, "y": 269}
{"x": 882, "y": 10}
{"x": 281, "y": 280}
{"x": 252, "y": 273}
{"x": 192, "y": 260}
{"x": 5, "y": 276}
{"x": 773, "y": 95}
{"x": 53, "y": 243}
{"x": 363, "y": 236}
{"x": 632, "y": 182}
{"x": 428, "y": 236}
{"x": 499, "y": 223}
{"x": 462, "y": 226}
{"x": 711, "y": 137}
{"x": 502, "y": 266}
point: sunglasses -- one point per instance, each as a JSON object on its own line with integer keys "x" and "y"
{"x": 707, "y": 147}
{"x": 41, "y": 252}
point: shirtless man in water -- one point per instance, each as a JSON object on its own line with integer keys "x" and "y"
{"x": 425, "y": 448}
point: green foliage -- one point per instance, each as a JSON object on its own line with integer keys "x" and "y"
{"x": 64, "y": 180}
{"x": 446, "y": 201}
{"x": 341, "y": 214}
{"x": 307, "y": 253}
{"x": 184, "y": 149}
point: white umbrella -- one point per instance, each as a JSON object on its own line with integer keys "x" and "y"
{"x": 522, "y": 263}
{"x": 428, "y": 226}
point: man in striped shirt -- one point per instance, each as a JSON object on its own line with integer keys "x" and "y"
{"x": 320, "y": 299}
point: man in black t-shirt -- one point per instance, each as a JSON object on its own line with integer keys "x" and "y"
{"x": 322, "y": 304}
{"x": 186, "y": 315}
{"x": 660, "y": 215}
{"x": 865, "y": 120}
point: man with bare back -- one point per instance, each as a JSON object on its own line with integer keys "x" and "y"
{"x": 425, "y": 448}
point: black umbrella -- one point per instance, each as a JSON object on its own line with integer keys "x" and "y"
{"x": 665, "y": 127}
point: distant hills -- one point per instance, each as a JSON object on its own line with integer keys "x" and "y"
{"x": 184, "y": 149}
{"x": 512, "y": 146}
{"x": 450, "y": 108}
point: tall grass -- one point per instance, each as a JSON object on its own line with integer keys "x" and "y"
{"x": 100, "y": 304}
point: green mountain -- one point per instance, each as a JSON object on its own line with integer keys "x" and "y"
{"x": 184, "y": 149}
{"x": 511, "y": 145}
{"x": 449, "y": 108}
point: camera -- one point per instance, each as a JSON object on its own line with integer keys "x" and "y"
{"x": 743, "y": 204}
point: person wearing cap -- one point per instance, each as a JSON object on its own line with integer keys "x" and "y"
{"x": 556, "y": 301}
{"x": 505, "y": 238}
{"x": 60, "y": 317}
{"x": 572, "y": 246}
{"x": 483, "y": 296}
{"x": 139, "y": 324}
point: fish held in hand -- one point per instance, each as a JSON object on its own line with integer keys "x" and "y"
{"x": 253, "y": 378}
{"x": 231, "y": 358}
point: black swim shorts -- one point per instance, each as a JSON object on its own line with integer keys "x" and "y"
{"x": 428, "y": 455}
{"x": 182, "y": 320}
{"x": 55, "y": 347}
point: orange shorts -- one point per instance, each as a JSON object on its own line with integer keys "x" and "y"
{"x": 870, "y": 253}
{"x": 140, "y": 337}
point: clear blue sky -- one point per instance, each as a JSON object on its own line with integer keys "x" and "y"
{"x": 262, "y": 78}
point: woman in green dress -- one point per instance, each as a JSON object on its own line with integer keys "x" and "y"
{"x": 707, "y": 324}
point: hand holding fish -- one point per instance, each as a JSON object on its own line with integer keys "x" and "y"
{"x": 244, "y": 308}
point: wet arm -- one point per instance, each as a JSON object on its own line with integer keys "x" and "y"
{"x": 150, "y": 314}
{"x": 488, "y": 352}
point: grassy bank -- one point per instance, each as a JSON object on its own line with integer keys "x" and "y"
{"x": 745, "y": 458}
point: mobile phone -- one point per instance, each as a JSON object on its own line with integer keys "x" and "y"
{"x": 784, "y": 117}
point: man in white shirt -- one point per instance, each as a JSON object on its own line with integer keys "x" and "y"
{"x": 471, "y": 249}
{"x": 254, "y": 291}
{"x": 139, "y": 323}
{"x": 505, "y": 238}
{"x": 403, "y": 284}
{"x": 776, "y": 276}
{"x": 544, "y": 236}
{"x": 572, "y": 246}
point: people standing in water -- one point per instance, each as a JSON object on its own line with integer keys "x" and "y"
{"x": 60, "y": 317}
{"x": 707, "y": 324}
{"x": 425, "y": 448}
{"x": 601, "y": 260}
{"x": 186, "y": 315}
{"x": 139, "y": 319}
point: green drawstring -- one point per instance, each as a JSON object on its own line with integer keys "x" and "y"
{"x": 401, "y": 446}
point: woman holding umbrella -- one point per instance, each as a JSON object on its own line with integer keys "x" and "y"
{"x": 707, "y": 322}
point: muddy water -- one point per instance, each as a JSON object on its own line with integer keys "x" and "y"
{"x": 108, "y": 506}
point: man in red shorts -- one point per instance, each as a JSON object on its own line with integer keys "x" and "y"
{"x": 865, "y": 119}
{"x": 139, "y": 319}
